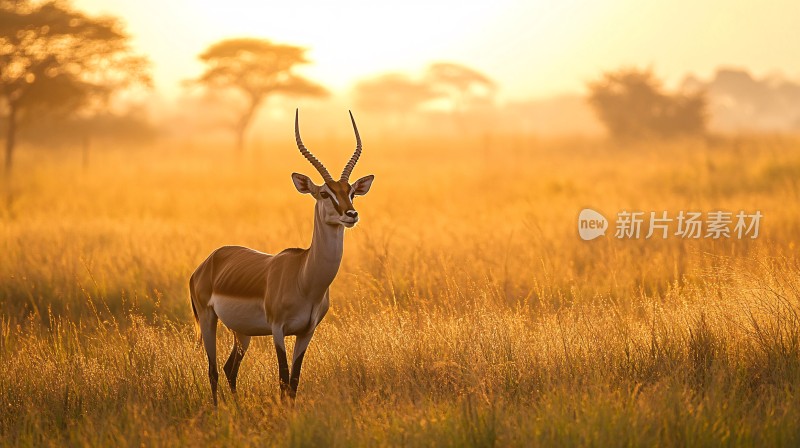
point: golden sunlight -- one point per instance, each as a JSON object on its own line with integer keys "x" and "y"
{"x": 346, "y": 40}
{"x": 532, "y": 48}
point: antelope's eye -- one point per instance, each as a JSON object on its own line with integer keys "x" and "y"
{"x": 324, "y": 195}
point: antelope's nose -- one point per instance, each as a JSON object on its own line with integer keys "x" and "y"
{"x": 351, "y": 214}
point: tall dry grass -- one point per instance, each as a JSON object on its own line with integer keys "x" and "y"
{"x": 467, "y": 310}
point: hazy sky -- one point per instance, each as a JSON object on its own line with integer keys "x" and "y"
{"x": 532, "y": 48}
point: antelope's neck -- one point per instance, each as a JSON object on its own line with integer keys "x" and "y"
{"x": 324, "y": 256}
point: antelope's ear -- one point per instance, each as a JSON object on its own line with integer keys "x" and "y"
{"x": 361, "y": 187}
{"x": 304, "y": 184}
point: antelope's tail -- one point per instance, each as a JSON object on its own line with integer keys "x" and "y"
{"x": 192, "y": 298}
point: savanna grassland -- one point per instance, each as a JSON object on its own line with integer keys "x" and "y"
{"x": 467, "y": 311}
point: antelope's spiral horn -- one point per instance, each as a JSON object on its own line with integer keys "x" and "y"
{"x": 353, "y": 160}
{"x": 306, "y": 153}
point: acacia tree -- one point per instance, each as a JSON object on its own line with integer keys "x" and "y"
{"x": 464, "y": 86}
{"x": 393, "y": 94}
{"x": 632, "y": 105}
{"x": 465, "y": 89}
{"x": 397, "y": 95}
{"x": 54, "y": 59}
{"x": 256, "y": 68}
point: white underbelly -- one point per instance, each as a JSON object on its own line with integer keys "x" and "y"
{"x": 243, "y": 315}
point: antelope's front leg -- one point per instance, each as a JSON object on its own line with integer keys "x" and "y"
{"x": 283, "y": 365}
{"x": 300, "y": 346}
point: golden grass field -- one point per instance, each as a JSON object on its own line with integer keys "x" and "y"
{"x": 467, "y": 311}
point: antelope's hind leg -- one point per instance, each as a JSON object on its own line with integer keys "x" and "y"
{"x": 208, "y": 330}
{"x": 240, "y": 344}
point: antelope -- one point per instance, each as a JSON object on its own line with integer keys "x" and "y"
{"x": 287, "y": 294}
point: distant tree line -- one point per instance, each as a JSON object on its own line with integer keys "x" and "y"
{"x": 60, "y": 69}
{"x": 740, "y": 101}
